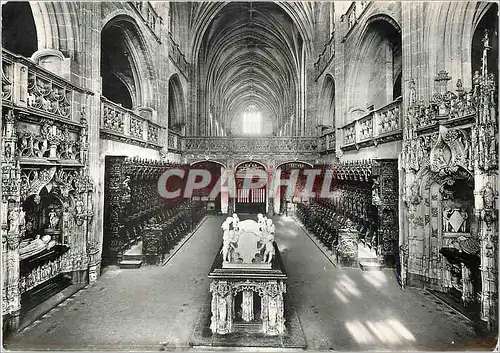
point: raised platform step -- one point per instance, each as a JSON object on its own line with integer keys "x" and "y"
{"x": 370, "y": 264}
{"x": 127, "y": 264}
{"x": 247, "y": 327}
{"x": 127, "y": 257}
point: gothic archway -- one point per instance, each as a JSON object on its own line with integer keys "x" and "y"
{"x": 374, "y": 74}
{"x": 327, "y": 117}
{"x": 250, "y": 198}
{"x": 126, "y": 69}
{"x": 19, "y": 32}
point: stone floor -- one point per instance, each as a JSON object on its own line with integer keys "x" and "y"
{"x": 155, "y": 308}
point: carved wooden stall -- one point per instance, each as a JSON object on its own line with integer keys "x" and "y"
{"x": 450, "y": 160}
{"x": 362, "y": 206}
{"x": 47, "y": 194}
{"x": 134, "y": 209}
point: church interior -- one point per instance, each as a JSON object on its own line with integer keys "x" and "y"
{"x": 374, "y": 125}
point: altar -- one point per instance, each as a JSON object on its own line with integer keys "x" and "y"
{"x": 248, "y": 280}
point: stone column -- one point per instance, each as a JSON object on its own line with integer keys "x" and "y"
{"x": 222, "y": 307}
{"x": 273, "y": 309}
{"x": 12, "y": 227}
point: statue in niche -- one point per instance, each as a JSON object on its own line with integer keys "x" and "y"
{"x": 222, "y": 310}
{"x": 488, "y": 195}
{"x": 126, "y": 189}
{"x": 273, "y": 313}
{"x": 53, "y": 219}
{"x": 376, "y": 193}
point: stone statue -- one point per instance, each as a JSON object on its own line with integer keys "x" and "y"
{"x": 261, "y": 221}
{"x": 273, "y": 313}
{"x": 53, "y": 219}
{"x": 226, "y": 238}
{"x": 270, "y": 228}
{"x": 222, "y": 310}
{"x": 269, "y": 250}
{"x": 17, "y": 219}
{"x": 236, "y": 222}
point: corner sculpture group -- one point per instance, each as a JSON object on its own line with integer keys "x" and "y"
{"x": 248, "y": 264}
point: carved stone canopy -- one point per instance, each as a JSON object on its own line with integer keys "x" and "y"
{"x": 450, "y": 151}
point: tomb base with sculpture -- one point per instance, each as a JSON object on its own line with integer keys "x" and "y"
{"x": 248, "y": 280}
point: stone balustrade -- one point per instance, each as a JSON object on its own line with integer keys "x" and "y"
{"x": 125, "y": 125}
{"x": 256, "y": 145}
{"x": 378, "y": 126}
{"x": 148, "y": 14}
{"x": 26, "y": 85}
{"x": 325, "y": 57}
{"x": 175, "y": 141}
{"x": 327, "y": 142}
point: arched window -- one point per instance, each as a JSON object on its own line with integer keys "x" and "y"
{"x": 18, "y": 28}
{"x": 252, "y": 120}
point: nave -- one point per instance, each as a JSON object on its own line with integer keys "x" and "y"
{"x": 156, "y": 308}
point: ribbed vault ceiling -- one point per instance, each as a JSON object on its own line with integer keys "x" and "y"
{"x": 250, "y": 55}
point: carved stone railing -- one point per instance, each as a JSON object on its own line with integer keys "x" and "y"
{"x": 175, "y": 141}
{"x": 41, "y": 92}
{"x": 119, "y": 123}
{"x": 148, "y": 14}
{"x": 252, "y": 145}
{"x": 353, "y": 14}
{"x": 378, "y": 126}
{"x": 177, "y": 57}
{"x": 325, "y": 57}
{"x": 327, "y": 142}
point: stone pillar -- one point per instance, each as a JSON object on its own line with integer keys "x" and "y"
{"x": 272, "y": 308}
{"x": 222, "y": 307}
{"x": 88, "y": 68}
{"x": 12, "y": 227}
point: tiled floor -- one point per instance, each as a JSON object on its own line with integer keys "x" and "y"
{"x": 340, "y": 309}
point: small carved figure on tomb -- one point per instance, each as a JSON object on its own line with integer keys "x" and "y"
{"x": 236, "y": 222}
{"x": 222, "y": 310}
{"x": 15, "y": 219}
{"x": 271, "y": 229}
{"x": 53, "y": 219}
{"x": 267, "y": 245}
{"x": 273, "y": 313}
{"x": 261, "y": 221}
{"x": 227, "y": 238}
